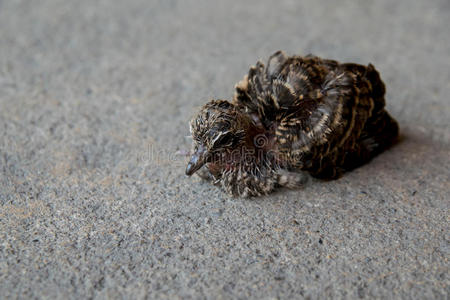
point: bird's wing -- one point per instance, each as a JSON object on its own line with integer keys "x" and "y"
{"x": 282, "y": 87}
{"x": 347, "y": 98}
{"x": 314, "y": 105}
{"x": 254, "y": 94}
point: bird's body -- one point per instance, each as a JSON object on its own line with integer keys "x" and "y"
{"x": 295, "y": 114}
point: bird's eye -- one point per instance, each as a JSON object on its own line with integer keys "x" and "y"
{"x": 223, "y": 140}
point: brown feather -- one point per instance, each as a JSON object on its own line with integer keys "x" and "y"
{"x": 296, "y": 114}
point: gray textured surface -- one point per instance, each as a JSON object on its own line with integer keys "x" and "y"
{"x": 94, "y": 102}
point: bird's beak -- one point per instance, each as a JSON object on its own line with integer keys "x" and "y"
{"x": 198, "y": 159}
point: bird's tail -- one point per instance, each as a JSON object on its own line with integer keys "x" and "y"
{"x": 380, "y": 132}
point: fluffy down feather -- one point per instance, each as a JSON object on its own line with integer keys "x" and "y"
{"x": 295, "y": 114}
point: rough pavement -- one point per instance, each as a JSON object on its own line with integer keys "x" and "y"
{"x": 95, "y": 97}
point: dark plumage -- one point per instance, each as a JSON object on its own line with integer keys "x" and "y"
{"x": 295, "y": 114}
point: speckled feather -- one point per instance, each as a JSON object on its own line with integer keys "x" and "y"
{"x": 295, "y": 114}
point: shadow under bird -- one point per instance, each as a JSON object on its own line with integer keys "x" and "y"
{"x": 296, "y": 114}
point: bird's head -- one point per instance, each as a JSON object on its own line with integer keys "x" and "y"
{"x": 217, "y": 129}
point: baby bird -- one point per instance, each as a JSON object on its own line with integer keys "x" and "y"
{"x": 295, "y": 114}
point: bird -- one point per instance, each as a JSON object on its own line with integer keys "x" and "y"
{"x": 294, "y": 116}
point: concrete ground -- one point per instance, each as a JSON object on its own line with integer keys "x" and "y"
{"x": 95, "y": 97}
